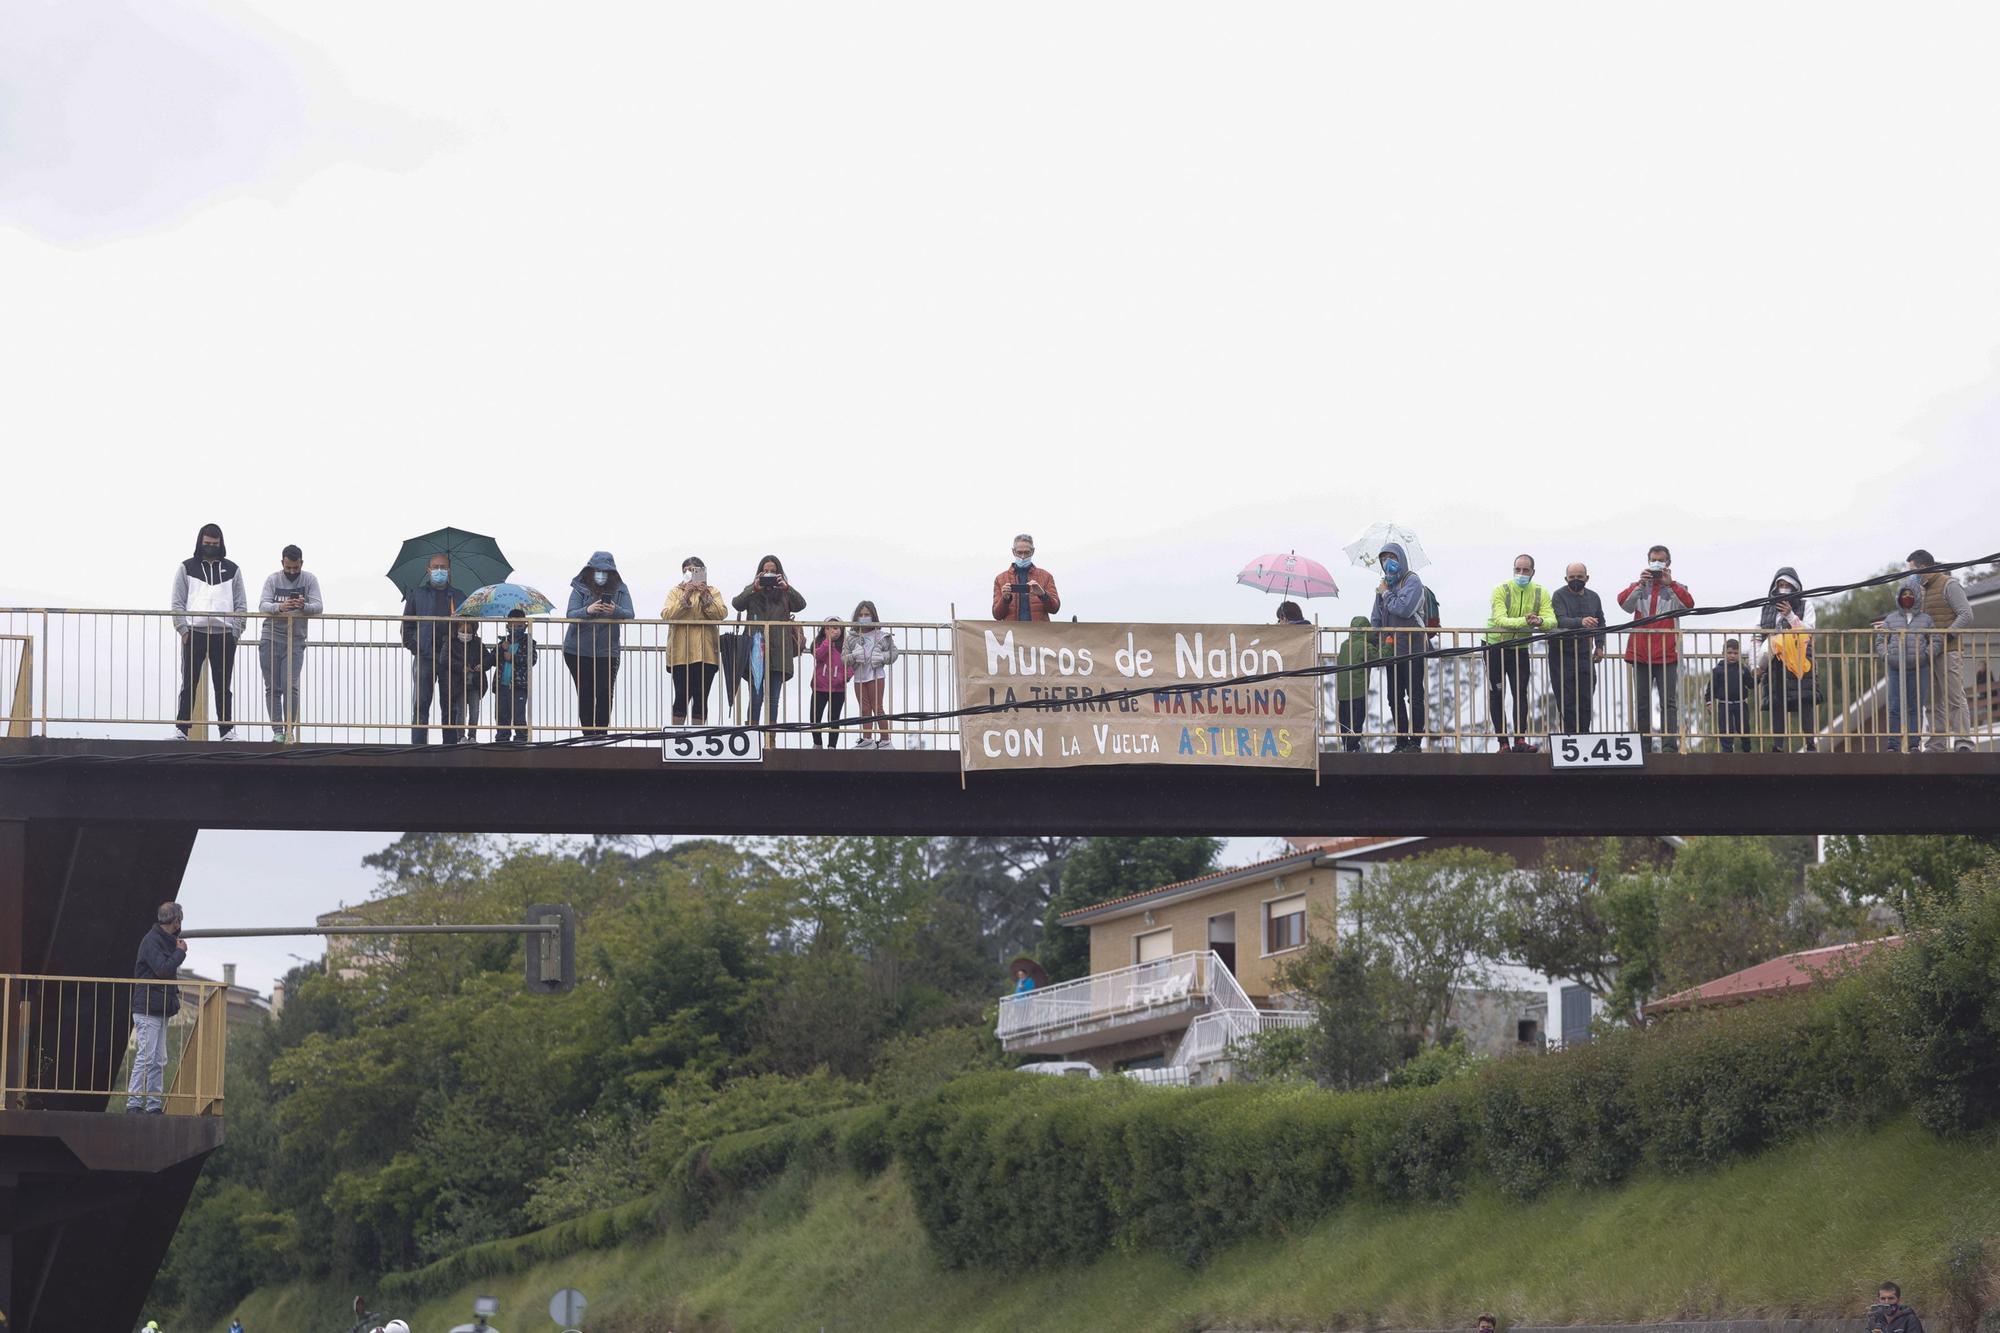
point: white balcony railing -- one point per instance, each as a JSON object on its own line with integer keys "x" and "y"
{"x": 1127, "y": 992}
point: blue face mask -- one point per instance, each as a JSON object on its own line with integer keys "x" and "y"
{"x": 1024, "y": 562}
{"x": 598, "y": 578}
{"x": 1392, "y": 567}
{"x": 1522, "y": 580}
{"x": 864, "y": 620}
{"x": 439, "y": 577}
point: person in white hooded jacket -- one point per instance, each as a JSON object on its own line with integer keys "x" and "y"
{"x": 868, "y": 649}
{"x": 209, "y": 607}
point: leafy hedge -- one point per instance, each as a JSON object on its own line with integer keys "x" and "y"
{"x": 1011, "y": 1172}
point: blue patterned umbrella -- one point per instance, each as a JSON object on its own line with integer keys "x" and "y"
{"x": 496, "y": 600}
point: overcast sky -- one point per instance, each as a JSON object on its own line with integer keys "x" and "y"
{"x": 877, "y": 286}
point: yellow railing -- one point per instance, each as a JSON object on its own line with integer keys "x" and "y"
{"x": 70, "y": 1043}
{"x": 353, "y": 681}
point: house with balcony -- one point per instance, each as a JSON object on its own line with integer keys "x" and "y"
{"x": 1180, "y": 972}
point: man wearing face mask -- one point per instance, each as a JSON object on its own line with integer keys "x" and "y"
{"x": 1024, "y": 590}
{"x": 1573, "y": 658}
{"x": 1945, "y": 602}
{"x": 289, "y": 596}
{"x": 1399, "y": 608}
{"x": 1655, "y": 650}
{"x": 433, "y": 644}
{"x": 208, "y": 606}
{"x": 1521, "y": 608}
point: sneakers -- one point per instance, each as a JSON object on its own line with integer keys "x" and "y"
{"x": 1526, "y": 747}
{"x": 279, "y": 736}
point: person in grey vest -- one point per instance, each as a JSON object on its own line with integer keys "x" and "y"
{"x": 1945, "y": 602}
{"x": 289, "y": 596}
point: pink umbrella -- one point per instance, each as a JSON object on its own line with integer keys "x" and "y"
{"x": 1288, "y": 575}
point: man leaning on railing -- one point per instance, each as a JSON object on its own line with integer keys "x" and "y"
{"x": 160, "y": 955}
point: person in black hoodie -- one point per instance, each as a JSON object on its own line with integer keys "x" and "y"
{"x": 209, "y": 606}
{"x": 1791, "y": 686}
{"x": 160, "y": 955}
{"x": 1728, "y": 692}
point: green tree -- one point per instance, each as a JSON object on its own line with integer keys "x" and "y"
{"x": 1568, "y": 918}
{"x": 1351, "y": 1042}
{"x": 1106, "y": 868}
{"x": 1910, "y": 874}
{"x": 1436, "y": 921}
{"x": 1728, "y": 905}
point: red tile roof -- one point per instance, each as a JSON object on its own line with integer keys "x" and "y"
{"x": 1779, "y": 976}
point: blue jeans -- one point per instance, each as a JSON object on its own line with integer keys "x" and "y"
{"x": 1909, "y": 695}
{"x": 149, "y": 1062}
{"x": 771, "y": 688}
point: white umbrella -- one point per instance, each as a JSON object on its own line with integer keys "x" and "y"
{"x": 1364, "y": 550}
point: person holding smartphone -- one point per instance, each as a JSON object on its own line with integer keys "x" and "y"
{"x": 598, "y": 600}
{"x": 1654, "y": 651}
{"x": 288, "y": 597}
{"x": 1024, "y": 590}
{"x": 769, "y": 599}
{"x": 694, "y": 648}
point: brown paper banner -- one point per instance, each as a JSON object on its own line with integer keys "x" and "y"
{"x": 1197, "y": 719}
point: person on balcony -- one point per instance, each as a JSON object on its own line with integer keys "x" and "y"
{"x": 1399, "y": 609}
{"x": 1023, "y": 983}
{"x": 208, "y": 607}
{"x": 1910, "y": 655}
{"x": 513, "y": 661}
{"x": 1948, "y": 607}
{"x": 591, "y": 651}
{"x": 1361, "y": 649}
{"x": 1792, "y": 688}
{"x": 1520, "y": 610}
{"x": 161, "y": 952}
{"x": 431, "y": 644}
{"x": 694, "y": 648}
{"x": 1654, "y": 651}
{"x": 770, "y": 598}
{"x": 1024, "y": 590}
{"x": 1573, "y": 658}
{"x": 288, "y": 597}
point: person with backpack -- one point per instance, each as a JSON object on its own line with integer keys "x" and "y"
{"x": 1406, "y": 611}
{"x": 1521, "y": 609}
{"x": 1654, "y": 650}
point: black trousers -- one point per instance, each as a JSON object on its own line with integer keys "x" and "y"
{"x": 1516, "y": 665}
{"x": 596, "y": 680}
{"x": 691, "y": 684}
{"x": 1791, "y": 695}
{"x": 828, "y": 704}
{"x": 1575, "y": 684}
{"x": 1353, "y": 720}
{"x": 434, "y": 678}
{"x": 1407, "y": 681}
{"x": 215, "y": 649}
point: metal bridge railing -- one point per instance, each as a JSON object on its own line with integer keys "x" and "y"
{"x": 66, "y": 1043}
{"x": 351, "y": 679}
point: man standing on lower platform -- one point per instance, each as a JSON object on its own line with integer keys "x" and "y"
{"x": 160, "y": 955}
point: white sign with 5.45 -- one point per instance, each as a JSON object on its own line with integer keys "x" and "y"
{"x": 729, "y": 746}
{"x": 1598, "y": 751}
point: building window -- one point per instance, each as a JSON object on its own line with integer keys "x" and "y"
{"x": 1285, "y": 924}
{"x": 1151, "y": 948}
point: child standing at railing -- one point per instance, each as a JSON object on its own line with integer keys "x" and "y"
{"x": 829, "y": 683}
{"x": 1728, "y": 693}
{"x": 513, "y": 667}
{"x": 869, "y": 650}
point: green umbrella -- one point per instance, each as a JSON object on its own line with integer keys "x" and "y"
{"x": 475, "y": 560}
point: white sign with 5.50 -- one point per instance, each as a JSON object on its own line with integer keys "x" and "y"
{"x": 1599, "y": 751}
{"x": 729, "y": 746}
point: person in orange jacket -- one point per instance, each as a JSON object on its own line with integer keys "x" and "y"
{"x": 1024, "y": 590}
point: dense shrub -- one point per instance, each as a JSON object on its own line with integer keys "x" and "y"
{"x": 1011, "y": 1171}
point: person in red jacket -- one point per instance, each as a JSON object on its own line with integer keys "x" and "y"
{"x": 1024, "y": 590}
{"x": 1655, "y": 650}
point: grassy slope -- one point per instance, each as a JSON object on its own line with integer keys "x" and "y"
{"x": 1809, "y": 1229}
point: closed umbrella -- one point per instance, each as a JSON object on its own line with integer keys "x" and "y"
{"x": 475, "y": 559}
{"x": 497, "y": 601}
{"x": 1288, "y": 575}
{"x": 1365, "y": 549}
